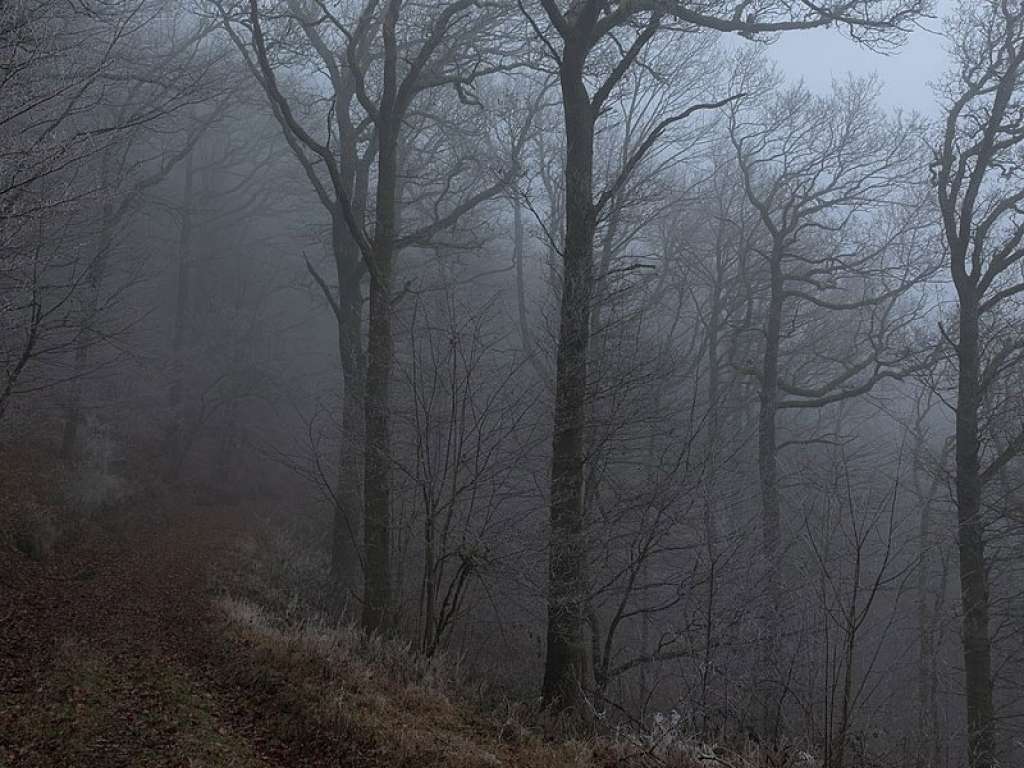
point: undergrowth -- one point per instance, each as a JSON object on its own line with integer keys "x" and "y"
{"x": 378, "y": 702}
{"x": 263, "y": 667}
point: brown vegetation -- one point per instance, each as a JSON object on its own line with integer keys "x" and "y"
{"x": 168, "y": 633}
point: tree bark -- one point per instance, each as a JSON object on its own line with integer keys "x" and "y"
{"x": 974, "y": 588}
{"x": 767, "y": 454}
{"x": 565, "y": 662}
{"x": 346, "y": 558}
{"x": 377, "y": 458}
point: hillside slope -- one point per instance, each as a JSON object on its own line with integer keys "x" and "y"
{"x": 126, "y": 653}
{"x": 156, "y": 636}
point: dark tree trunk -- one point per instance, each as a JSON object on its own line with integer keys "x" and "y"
{"x": 346, "y": 558}
{"x": 377, "y": 457}
{"x": 767, "y": 454}
{"x": 973, "y": 573}
{"x": 565, "y": 663}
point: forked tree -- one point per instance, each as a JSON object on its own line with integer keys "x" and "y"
{"x": 839, "y": 244}
{"x": 594, "y": 43}
{"x": 980, "y": 185}
{"x": 374, "y": 62}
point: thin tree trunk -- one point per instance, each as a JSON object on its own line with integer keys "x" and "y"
{"x": 927, "y": 678}
{"x": 767, "y": 453}
{"x": 849, "y": 648}
{"x": 27, "y": 350}
{"x": 522, "y": 308}
{"x": 174, "y": 394}
{"x": 519, "y": 249}
{"x": 429, "y": 639}
{"x": 927, "y": 667}
{"x": 711, "y": 505}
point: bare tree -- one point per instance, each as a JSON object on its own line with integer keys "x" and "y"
{"x": 832, "y": 180}
{"x": 466, "y": 439}
{"x": 373, "y": 92}
{"x": 860, "y": 571}
{"x": 73, "y": 96}
{"x": 572, "y": 35}
{"x": 980, "y": 192}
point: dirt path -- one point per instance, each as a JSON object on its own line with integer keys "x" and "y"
{"x": 104, "y": 658}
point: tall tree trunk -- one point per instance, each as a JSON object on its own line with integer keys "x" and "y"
{"x": 429, "y": 638}
{"x": 927, "y": 662}
{"x": 974, "y": 590}
{"x": 711, "y": 502}
{"x": 852, "y": 623}
{"x": 346, "y": 559}
{"x": 767, "y": 454}
{"x": 377, "y": 459}
{"x": 565, "y": 661}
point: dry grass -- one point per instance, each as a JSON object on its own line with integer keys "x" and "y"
{"x": 140, "y": 669}
{"x": 369, "y": 701}
{"x": 375, "y": 702}
{"x": 378, "y": 702}
{"x": 301, "y": 694}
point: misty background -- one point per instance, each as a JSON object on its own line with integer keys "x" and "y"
{"x": 650, "y": 358}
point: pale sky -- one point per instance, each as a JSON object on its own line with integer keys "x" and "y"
{"x": 822, "y": 55}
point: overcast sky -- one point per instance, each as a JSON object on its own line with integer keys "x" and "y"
{"x": 822, "y": 55}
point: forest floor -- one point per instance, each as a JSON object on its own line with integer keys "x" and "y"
{"x": 163, "y": 632}
{"x": 107, "y": 659}
{"x": 153, "y": 642}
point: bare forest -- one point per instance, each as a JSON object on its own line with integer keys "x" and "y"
{"x": 566, "y": 356}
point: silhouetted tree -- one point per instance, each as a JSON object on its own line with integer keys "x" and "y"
{"x": 980, "y": 192}
{"x": 620, "y": 32}
{"x": 379, "y": 60}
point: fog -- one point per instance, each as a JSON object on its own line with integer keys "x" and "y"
{"x": 648, "y": 358}
{"x": 907, "y": 73}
